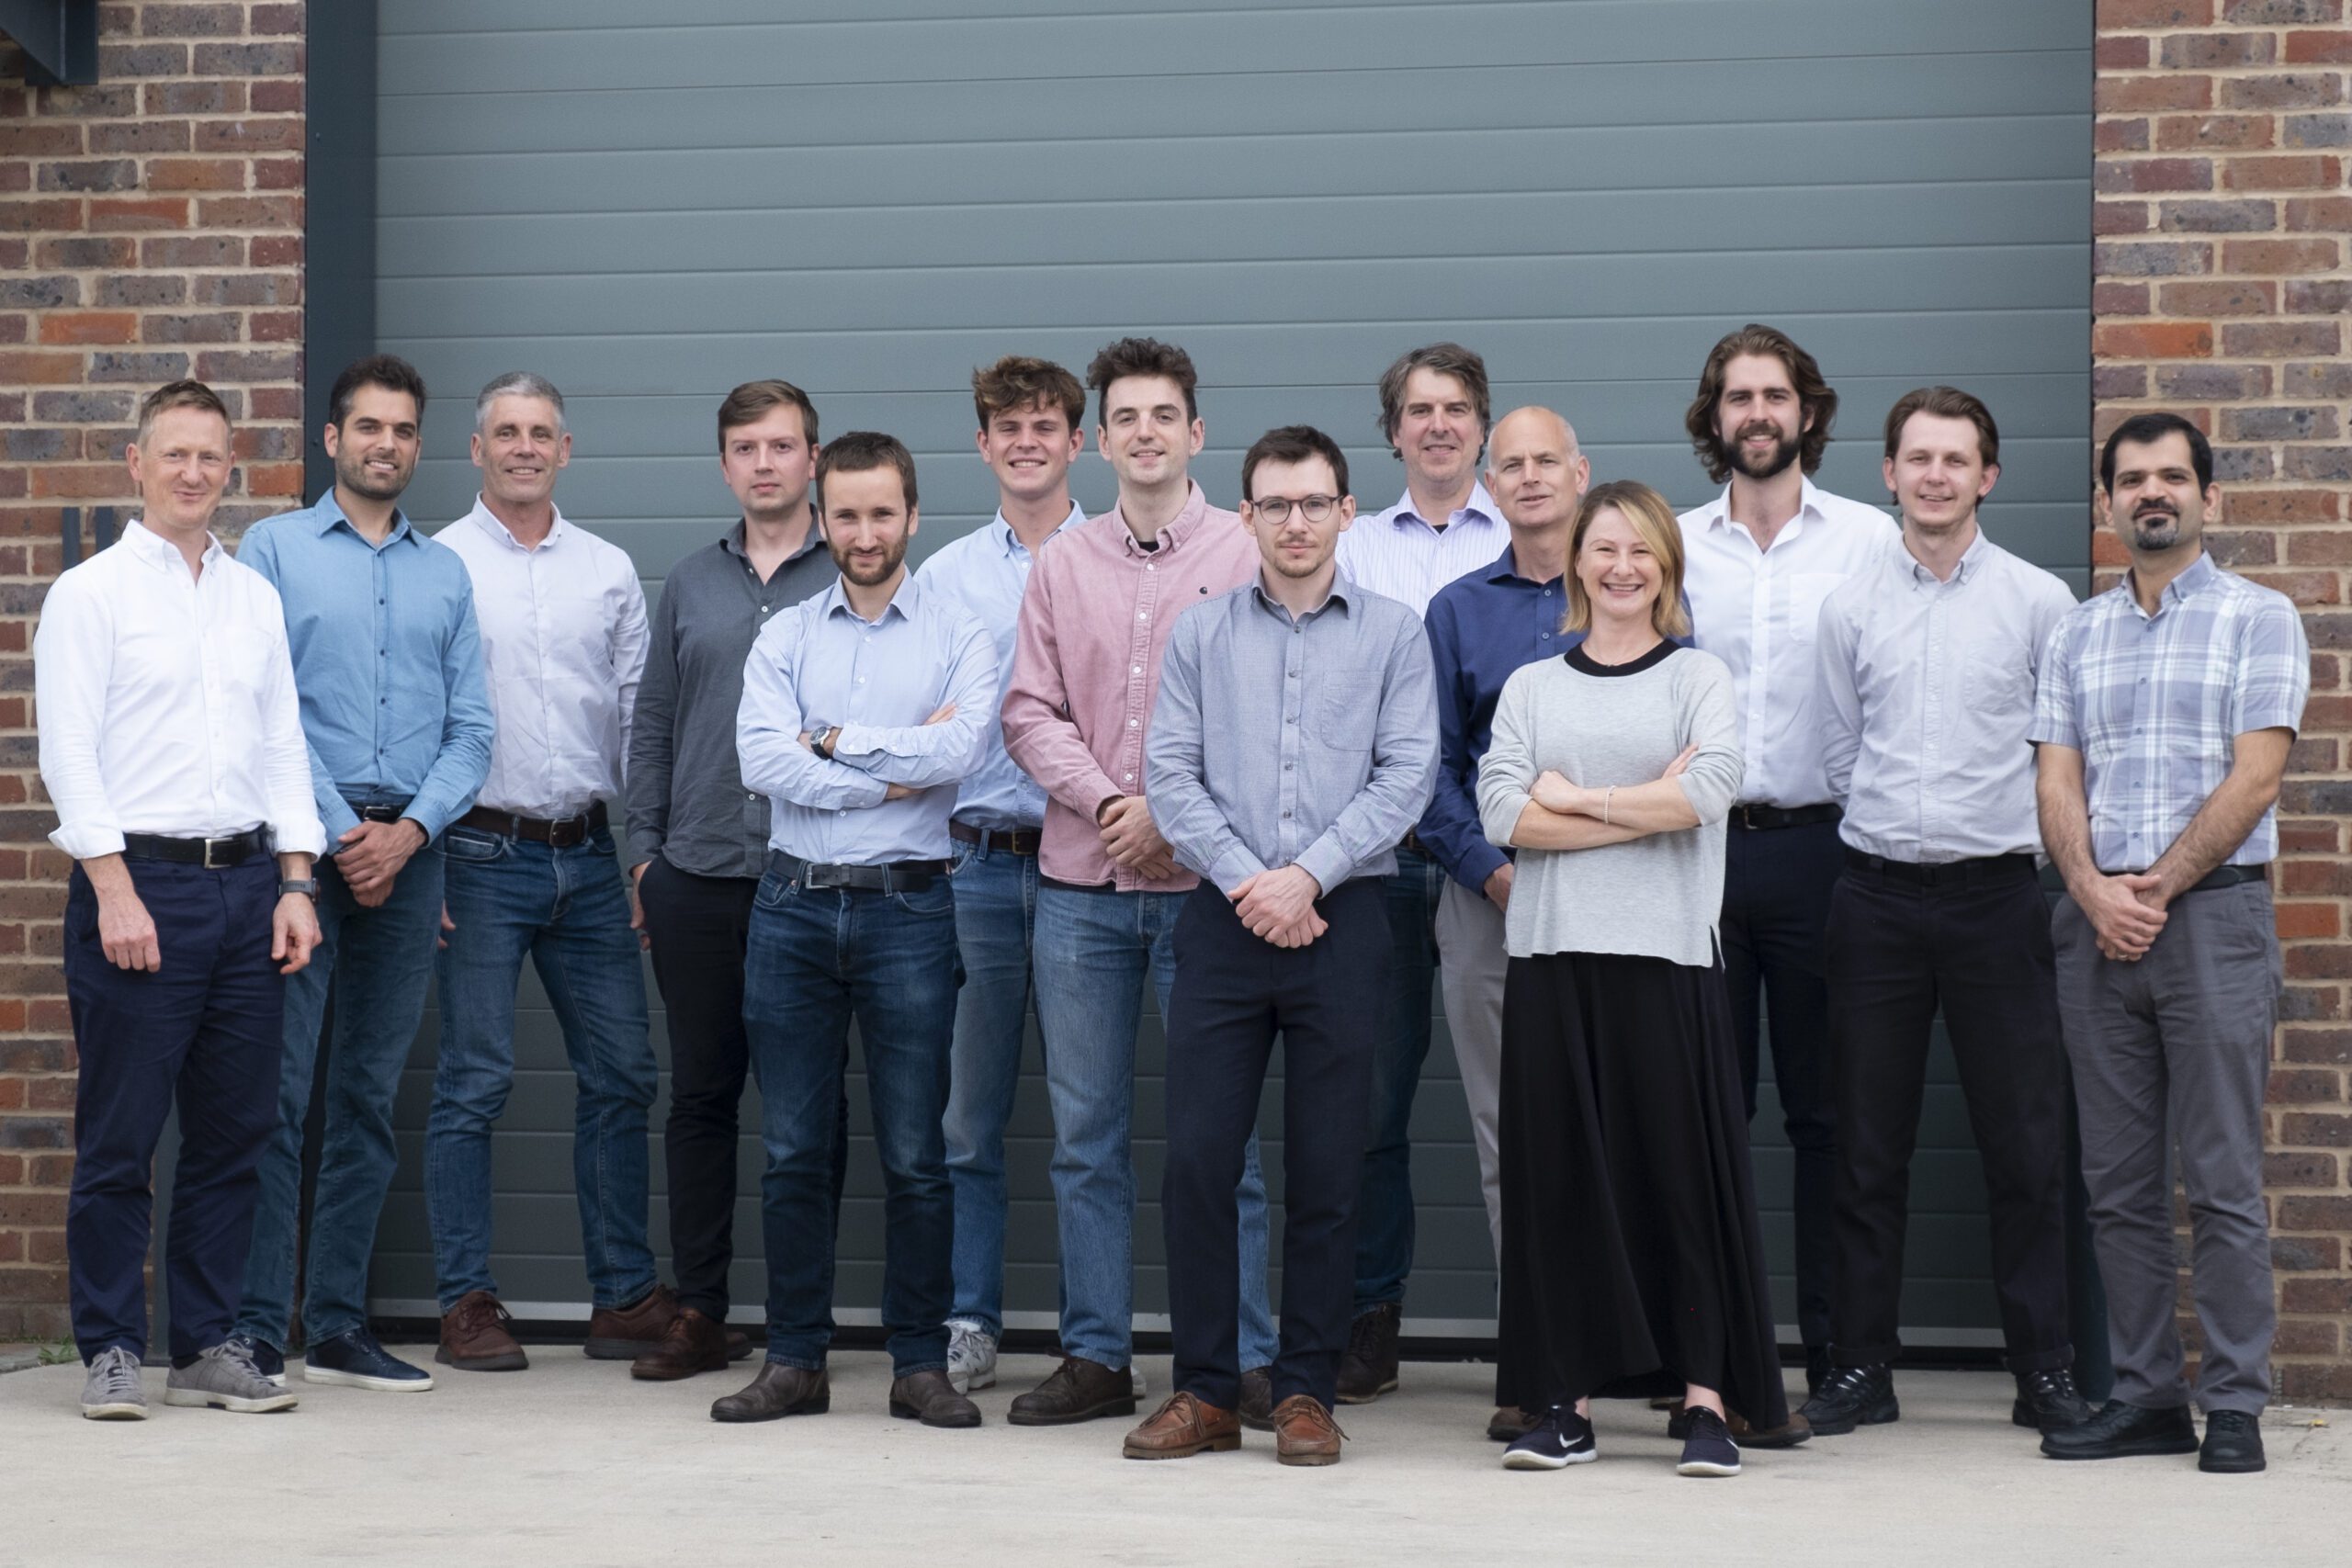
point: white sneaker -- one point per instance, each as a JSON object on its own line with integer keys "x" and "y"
{"x": 1134, "y": 1376}
{"x": 971, "y": 1356}
{"x": 111, "y": 1391}
{"x": 225, "y": 1378}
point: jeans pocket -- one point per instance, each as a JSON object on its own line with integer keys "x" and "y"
{"x": 962, "y": 857}
{"x": 935, "y": 901}
{"x": 472, "y": 845}
{"x": 773, "y": 889}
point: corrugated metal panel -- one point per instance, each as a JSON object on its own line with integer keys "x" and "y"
{"x": 877, "y": 195}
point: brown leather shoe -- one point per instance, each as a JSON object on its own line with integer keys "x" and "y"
{"x": 1509, "y": 1424}
{"x": 930, "y": 1398}
{"x": 1182, "y": 1427}
{"x": 696, "y": 1342}
{"x": 1258, "y": 1399}
{"x": 776, "y": 1392}
{"x": 474, "y": 1336}
{"x": 623, "y": 1334}
{"x": 1304, "y": 1432}
{"x": 1077, "y": 1390}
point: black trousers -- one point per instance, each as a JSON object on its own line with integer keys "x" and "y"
{"x": 1982, "y": 952}
{"x": 1776, "y": 904}
{"x": 1233, "y": 994}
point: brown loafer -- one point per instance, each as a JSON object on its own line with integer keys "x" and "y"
{"x": 1258, "y": 1399}
{"x": 776, "y": 1392}
{"x": 1077, "y": 1390}
{"x": 474, "y": 1336}
{"x": 1304, "y": 1432}
{"x": 1182, "y": 1427}
{"x": 696, "y": 1342}
{"x": 623, "y": 1334}
{"x": 1509, "y": 1424}
{"x": 930, "y": 1398}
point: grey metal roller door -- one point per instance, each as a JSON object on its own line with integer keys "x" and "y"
{"x": 875, "y": 196}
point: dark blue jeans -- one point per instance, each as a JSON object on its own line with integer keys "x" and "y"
{"x": 382, "y": 958}
{"x": 202, "y": 1030}
{"x": 820, "y": 959}
{"x": 1385, "y": 1208}
{"x": 996, "y": 915}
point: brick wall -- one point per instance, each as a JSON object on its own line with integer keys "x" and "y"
{"x": 151, "y": 226}
{"x": 2222, "y": 287}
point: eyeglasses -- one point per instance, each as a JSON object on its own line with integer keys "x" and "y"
{"x": 1275, "y": 509}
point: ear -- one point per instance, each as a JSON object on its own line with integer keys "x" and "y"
{"x": 1991, "y": 477}
{"x": 332, "y": 438}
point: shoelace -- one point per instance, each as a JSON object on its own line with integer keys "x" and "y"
{"x": 240, "y": 1358}
{"x": 118, "y": 1371}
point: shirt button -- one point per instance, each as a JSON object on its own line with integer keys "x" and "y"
{"x": 1286, "y": 767}
{"x": 1547, "y": 636}
{"x": 754, "y": 795}
{"x": 1133, "y": 723}
{"x": 1137, "y": 671}
{"x": 1285, "y": 815}
{"x": 1129, "y": 779}
{"x": 1143, "y": 615}
{"x": 1547, "y": 593}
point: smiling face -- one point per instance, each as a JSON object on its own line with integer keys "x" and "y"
{"x": 767, "y": 465}
{"x": 1438, "y": 433}
{"x": 1535, "y": 469}
{"x": 374, "y": 449}
{"x": 2155, "y": 505}
{"x": 1297, "y": 547}
{"x": 1759, "y": 422}
{"x": 520, "y": 448}
{"x": 1146, "y": 434}
{"x": 1939, "y": 473}
{"x": 1030, "y": 449}
{"x": 867, "y": 522}
{"x": 181, "y": 468}
{"x": 1619, "y": 571}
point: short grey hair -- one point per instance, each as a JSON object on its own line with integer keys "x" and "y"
{"x": 519, "y": 384}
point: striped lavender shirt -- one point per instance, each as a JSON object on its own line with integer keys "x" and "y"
{"x": 1399, "y": 555}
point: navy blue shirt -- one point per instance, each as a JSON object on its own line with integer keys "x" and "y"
{"x": 1481, "y": 628}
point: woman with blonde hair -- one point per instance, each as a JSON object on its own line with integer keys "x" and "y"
{"x": 1631, "y": 1263}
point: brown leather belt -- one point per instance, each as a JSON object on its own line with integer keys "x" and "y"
{"x": 1016, "y": 841}
{"x": 561, "y": 833}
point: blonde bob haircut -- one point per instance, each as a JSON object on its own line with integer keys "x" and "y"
{"x": 1652, "y": 519}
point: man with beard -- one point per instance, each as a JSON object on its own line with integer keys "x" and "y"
{"x": 1760, "y": 558}
{"x": 2165, "y": 711}
{"x": 388, "y": 660}
{"x": 862, "y": 710}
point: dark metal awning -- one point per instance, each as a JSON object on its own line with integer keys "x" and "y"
{"x": 59, "y": 37}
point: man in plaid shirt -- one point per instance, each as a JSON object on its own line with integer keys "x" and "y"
{"x": 2164, "y": 712}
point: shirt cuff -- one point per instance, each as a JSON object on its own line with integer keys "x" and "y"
{"x": 1479, "y": 861}
{"x": 1234, "y": 867}
{"x": 336, "y": 820}
{"x": 87, "y": 841}
{"x": 1326, "y": 862}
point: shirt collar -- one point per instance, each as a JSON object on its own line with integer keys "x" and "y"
{"x": 1343, "y": 594}
{"x": 1008, "y": 543}
{"x": 328, "y": 512}
{"x": 161, "y": 553}
{"x": 1479, "y": 504}
{"x": 732, "y": 541}
{"x": 1179, "y": 528}
{"x": 1971, "y": 560}
{"x": 2194, "y": 578}
{"x": 483, "y": 518}
{"x": 1506, "y": 569}
{"x": 1718, "y": 511}
{"x": 905, "y": 603}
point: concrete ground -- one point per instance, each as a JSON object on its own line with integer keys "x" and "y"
{"x": 572, "y": 1464}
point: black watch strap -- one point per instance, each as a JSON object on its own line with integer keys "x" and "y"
{"x": 307, "y": 885}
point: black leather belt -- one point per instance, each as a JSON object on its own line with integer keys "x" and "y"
{"x": 1014, "y": 842}
{"x": 2218, "y": 877}
{"x": 898, "y": 876}
{"x": 561, "y": 833}
{"x": 1950, "y": 874}
{"x": 391, "y": 812}
{"x": 1746, "y": 816}
{"x": 213, "y": 854}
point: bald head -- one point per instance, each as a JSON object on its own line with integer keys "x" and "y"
{"x": 1534, "y": 471}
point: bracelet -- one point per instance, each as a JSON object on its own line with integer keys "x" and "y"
{"x": 1606, "y": 797}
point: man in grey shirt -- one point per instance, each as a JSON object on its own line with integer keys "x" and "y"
{"x": 1289, "y": 803}
{"x": 698, "y": 839}
{"x": 1926, "y": 686}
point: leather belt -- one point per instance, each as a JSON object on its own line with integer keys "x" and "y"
{"x": 392, "y": 811}
{"x": 2218, "y": 877}
{"x": 1015, "y": 841}
{"x": 1949, "y": 874}
{"x": 213, "y": 854}
{"x": 561, "y": 833}
{"x": 899, "y": 877}
{"x": 1412, "y": 840}
{"x": 1744, "y": 816}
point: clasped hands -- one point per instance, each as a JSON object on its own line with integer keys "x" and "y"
{"x": 2126, "y": 913}
{"x": 1279, "y": 906}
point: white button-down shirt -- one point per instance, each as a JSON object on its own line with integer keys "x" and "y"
{"x": 166, "y": 702}
{"x": 1926, "y": 696}
{"x": 1760, "y": 612}
{"x": 563, "y": 644}
{"x": 1397, "y": 555}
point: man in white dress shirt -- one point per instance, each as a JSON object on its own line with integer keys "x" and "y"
{"x": 531, "y": 871}
{"x": 171, "y": 744}
{"x": 1760, "y": 557}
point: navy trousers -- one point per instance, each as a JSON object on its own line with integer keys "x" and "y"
{"x": 204, "y": 1032}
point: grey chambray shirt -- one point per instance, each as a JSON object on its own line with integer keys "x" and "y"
{"x": 686, "y": 799}
{"x": 1277, "y": 741}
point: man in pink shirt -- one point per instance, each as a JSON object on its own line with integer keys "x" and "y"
{"x": 1098, "y": 608}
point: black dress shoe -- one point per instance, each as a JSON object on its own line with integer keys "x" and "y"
{"x": 930, "y": 1398}
{"x": 1257, "y": 1410}
{"x": 776, "y": 1392}
{"x": 1077, "y": 1390}
{"x": 2121, "y": 1431}
{"x": 1368, "y": 1366}
{"x": 1851, "y": 1397}
{"x": 2049, "y": 1400}
{"x": 2233, "y": 1444}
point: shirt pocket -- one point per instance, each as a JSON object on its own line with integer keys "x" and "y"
{"x": 1806, "y": 592}
{"x": 1344, "y": 709}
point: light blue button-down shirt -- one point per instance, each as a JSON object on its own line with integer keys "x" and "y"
{"x": 986, "y": 570}
{"x": 818, "y": 664}
{"x": 386, "y": 659}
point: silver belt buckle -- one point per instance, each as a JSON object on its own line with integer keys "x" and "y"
{"x": 221, "y": 847}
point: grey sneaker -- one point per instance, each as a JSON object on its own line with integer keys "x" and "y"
{"x": 225, "y": 1378}
{"x": 111, "y": 1391}
{"x": 971, "y": 1356}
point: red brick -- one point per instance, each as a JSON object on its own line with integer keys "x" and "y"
{"x": 2120, "y": 136}
{"x": 157, "y": 20}
{"x": 141, "y": 136}
{"x": 2155, "y": 340}
{"x": 2279, "y": 256}
{"x": 2177, "y": 133}
{"x": 2208, "y": 50}
{"x": 2230, "y": 298}
{"x": 44, "y": 215}
{"x": 37, "y": 369}
{"x": 2283, "y": 90}
{"x": 2315, "y": 47}
{"x": 114, "y": 214}
{"x": 276, "y": 98}
{"x": 2110, "y": 300}
{"x": 281, "y": 133}
{"x": 2284, "y": 172}
{"x": 250, "y": 213}
{"x": 2118, "y": 175}
{"x": 278, "y": 251}
{"x": 88, "y": 326}
{"x": 2143, "y": 95}
{"x": 2120, "y": 217}
{"x": 2330, "y": 214}
{"x": 2120, "y": 51}
{"x": 2123, "y": 14}
{"x": 196, "y": 173}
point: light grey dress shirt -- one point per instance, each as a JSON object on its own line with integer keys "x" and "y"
{"x": 1308, "y": 742}
{"x": 1927, "y": 699}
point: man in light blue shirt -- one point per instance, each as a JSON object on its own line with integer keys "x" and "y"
{"x": 1031, "y": 414}
{"x": 862, "y": 710}
{"x": 388, "y": 662}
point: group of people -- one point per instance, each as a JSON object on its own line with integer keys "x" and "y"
{"x": 1633, "y": 785}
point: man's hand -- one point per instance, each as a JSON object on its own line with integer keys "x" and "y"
{"x": 637, "y": 906}
{"x": 2121, "y": 918}
{"x": 1129, "y": 835}
{"x": 1273, "y": 902}
{"x": 294, "y": 930}
{"x": 1498, "y": 885}
{"x": 1301, "y": 934}
{"x": 126, "y": 932}
{"x": 371, "y": 854}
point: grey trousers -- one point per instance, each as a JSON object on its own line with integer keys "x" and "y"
{"x": 1470, "y": 949}
{"x": 2175, "y": 1049}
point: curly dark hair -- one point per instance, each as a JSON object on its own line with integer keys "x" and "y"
{"x": 1813, "y": 397}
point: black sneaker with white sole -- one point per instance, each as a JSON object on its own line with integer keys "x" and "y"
{"x": 1708, "y": 1450}
{"x": 1559, "y": 1439}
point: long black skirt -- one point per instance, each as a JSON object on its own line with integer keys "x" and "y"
{"x": 1632, "y": 1262}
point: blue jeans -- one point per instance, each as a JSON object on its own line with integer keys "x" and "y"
{"x": 1092, "y": 949}
{"x": 818, "y": 960}
{"x": 566, "y": 911}
{"x": 996, "y": 915}
{"x": 382, "y": 958}
{"x": 1384, "y": 1206}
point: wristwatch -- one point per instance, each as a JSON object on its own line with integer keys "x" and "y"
{"x": 822, "y": 743}
{"x": 306, "y": 886}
